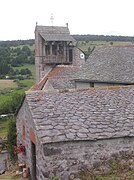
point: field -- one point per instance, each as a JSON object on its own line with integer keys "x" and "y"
{"x": 3, "y": 127}
{"x": 7, "y": 91}
{"x": 85, "y": 45}
{"x": 7, "y": 84}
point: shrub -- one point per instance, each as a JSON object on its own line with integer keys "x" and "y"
{"x": 11, "y": 138}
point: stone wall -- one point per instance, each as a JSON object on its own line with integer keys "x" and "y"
{"x": 38, "y": 54}
{"x": 3, "y": 155}
{"x": 67, "y": 158}
{"x": 87, "y": 85}
{"x": 77, "y": 61}
{"x": 24, "y": 118}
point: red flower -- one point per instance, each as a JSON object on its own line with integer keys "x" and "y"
{"x": 20, "y": 149}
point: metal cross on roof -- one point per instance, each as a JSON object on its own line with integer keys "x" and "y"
{"x": 52, "y": 18}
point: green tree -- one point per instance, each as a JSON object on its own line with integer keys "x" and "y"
{"x": 27, "y": 50}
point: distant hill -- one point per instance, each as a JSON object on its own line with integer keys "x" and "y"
{"x": 16, "y": 43}
{"x": 87, "y": 37}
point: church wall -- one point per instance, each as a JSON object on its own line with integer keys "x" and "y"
{"x": 77, "y": 60}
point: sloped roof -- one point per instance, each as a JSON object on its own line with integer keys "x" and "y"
{"x": 53, "y": 29}
{"x": 55, "y": 33}
{"x": 82, "y": 115}
{"x": 57, "y": 37}
{"x": 60, "y": 77}
{"x": 112, "y": 63}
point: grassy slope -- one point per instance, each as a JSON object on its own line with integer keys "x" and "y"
{"x": 8, "y": 87}
{"x": 7, "y": 96}
{"x": 84, "y": 46}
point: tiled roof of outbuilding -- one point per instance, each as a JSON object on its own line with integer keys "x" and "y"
{"x": 82, "y": 115}
{"x": 112, "y": 63}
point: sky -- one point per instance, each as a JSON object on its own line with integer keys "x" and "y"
{"x": 100, "y": 17}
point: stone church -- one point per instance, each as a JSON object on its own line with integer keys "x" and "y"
{"x": 79, "y": 113}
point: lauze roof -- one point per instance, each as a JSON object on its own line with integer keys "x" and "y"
{"x": 55, "y": 33}
{"x": 112, "y": 63}
{"x": 82, "y": 115}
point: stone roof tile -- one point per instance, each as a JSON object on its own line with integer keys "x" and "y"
{"x": 109, "y": 64}
{"x": 55, "y": 33}
{"x": 82, "y": 115}
{"x": 52, "y": 29}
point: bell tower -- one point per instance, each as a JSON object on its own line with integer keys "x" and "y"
{"x": 53, "y": 46}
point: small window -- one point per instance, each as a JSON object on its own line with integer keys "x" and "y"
{"x": 91, "y": 84}
{"x": 23, "y": 132}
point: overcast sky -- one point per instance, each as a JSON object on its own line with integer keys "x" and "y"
{"x": 18, "y": 17}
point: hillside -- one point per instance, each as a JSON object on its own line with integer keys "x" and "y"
{"x": 17, "y": 73}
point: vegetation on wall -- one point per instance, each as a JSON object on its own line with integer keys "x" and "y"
{"x": 11, "y": 138}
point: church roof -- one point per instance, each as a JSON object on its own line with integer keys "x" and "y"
{"x": 109, "y": 64}
{"x": 82, "y": 115}
{"x": 57, "y": 37}
{"x": 53, "y": 29}
{"x": 54, "y": 33}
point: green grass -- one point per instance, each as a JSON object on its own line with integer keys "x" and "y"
{"x": 28, "y": 82}
{"x": 3, "y": 127}
{"x": 7, "y": 96}
{"x": 4, "y": 98}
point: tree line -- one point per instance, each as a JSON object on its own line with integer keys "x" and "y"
{"x": 16, "y": 43}
{"x": 89, "y": 37}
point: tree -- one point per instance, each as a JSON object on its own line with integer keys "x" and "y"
{"x": 27, "y": 50}
{"x": 12, "y": 105}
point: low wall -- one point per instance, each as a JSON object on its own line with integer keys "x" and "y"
{"x": 3, "y": 155}
{"x": 68, "y": 158}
